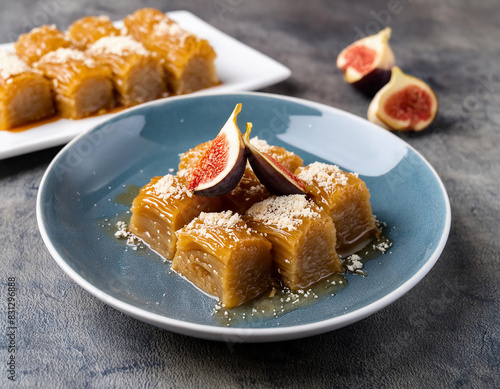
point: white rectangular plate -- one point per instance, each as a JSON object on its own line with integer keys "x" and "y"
{"x": 239, "y": 68}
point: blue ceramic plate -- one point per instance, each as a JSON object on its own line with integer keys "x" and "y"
{"x": 80, "y": 191}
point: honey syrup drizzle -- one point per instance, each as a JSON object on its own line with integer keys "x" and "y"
{"x": 55, "y": 118}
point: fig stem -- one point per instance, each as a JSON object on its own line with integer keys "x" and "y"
{"x": 235, "y": 113}
{"x": 248, "y": 131}
{"x": 385, "y": 34}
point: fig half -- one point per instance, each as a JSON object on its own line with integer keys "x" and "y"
{"x": 277, "y": 179}
{"x": 405, "y": 103}
{"x": 223, "y": 163}
{"x": 367, "y": 63}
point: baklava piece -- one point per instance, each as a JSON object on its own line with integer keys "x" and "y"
{"x": 90, "y": 29}
{"x": 32, "y": 46}
{"x": 188, "y": 60}
{"x": 81, "y": 88}
{"x": 222, "y": 256}
{"x": 302, "y": 236}
{"x": 25, "y": 94}
{"x": 162, "y": 207}
{"x": 137, "y": 74}
{"x": 345, "y": 197}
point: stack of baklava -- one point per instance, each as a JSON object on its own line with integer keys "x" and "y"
{"x": 95, "y": 66}
{"x": 233, "y": 246}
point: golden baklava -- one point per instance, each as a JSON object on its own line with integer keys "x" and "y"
{"x": 25, "y": 94}
{"x": 225, "y": 258}
{"x": 162, "y": 207}
{"x": 85, "y": 31}
{"x": 302, "y": 236}
{"x": 345, "y": 197}
{"x": 81, "y": 87}
{"x": 188, "y": 60}
{"x": 237, "y": 245}
{"x": 32, "y": 46}
{"x": 95, "y": 66}
{"x": 137, "y": 74}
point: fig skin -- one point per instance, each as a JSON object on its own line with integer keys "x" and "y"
{"x": 372, "y": 82}
{"x": 377, "y": 111}
{"x": 277, "y": 179}
{"x": 380, "y": 72}
{"x": 229, "y": 178}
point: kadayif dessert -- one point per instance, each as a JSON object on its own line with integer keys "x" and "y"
{"x": 236, "y": 237}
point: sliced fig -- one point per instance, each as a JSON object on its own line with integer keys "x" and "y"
{"x": 405, "y": 103}
{"x": 223, "y": 163}
{"x": 277, "y": 179}
{"x": 367, "y": 63}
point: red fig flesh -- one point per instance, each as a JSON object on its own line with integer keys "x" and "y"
{"x": 277, "y": 179}
{"x": 367, "y": 63}
{"x": 405, "y": 103}
{"x": 223, "y": 164}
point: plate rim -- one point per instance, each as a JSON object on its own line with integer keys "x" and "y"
{"x": 240, "y": 335}
{"x": 42, "y": 142}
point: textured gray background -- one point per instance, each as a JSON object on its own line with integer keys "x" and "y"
{"x": 443, "y": 333}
